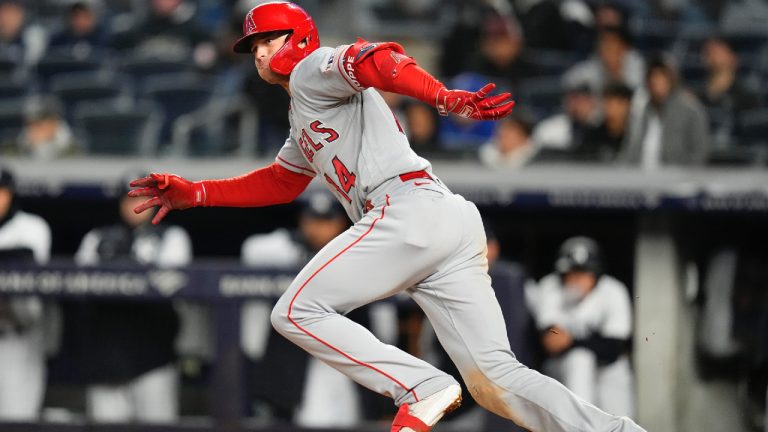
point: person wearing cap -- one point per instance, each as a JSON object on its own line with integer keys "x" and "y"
{"x": 24, "y": 237}
{"x": 308, "y": 391}
{"x": 584, "y": 318}
{"x": 129, "y": 363}
{"x": 46, "y": 134}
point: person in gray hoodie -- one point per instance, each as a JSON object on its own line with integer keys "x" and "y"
{"x": 672, "y": 128}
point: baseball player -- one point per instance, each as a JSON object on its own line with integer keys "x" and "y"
{"x": 410, "y": 233}
{"x": 23, "y": 237}
{"x": 585, "y": 320}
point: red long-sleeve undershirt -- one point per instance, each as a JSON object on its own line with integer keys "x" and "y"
{"x": 266, "y": 186}
{"x": 275, "y": 184}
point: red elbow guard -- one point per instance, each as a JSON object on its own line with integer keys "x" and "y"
{"x": 386, "y": 67}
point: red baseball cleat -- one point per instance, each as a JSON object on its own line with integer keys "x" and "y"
{"x": 421, "y": 416}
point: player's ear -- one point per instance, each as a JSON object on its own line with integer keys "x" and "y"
{"x": 303, "y": 43}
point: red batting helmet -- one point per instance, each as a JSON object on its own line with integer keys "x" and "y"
{"x": 276, "y": 16}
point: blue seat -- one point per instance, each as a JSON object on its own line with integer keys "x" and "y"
{"x": 143, "y": 70}
{"x": 50, "y": 67}
{"x": 177, "y": 95}
{"x": 752, "y": 127}
{"x": 11, "y": 122}
{"x": 74, "y": 89}
{"x": 111, "y": 129}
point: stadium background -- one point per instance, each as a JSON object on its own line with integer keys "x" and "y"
{"x": 659, "y": 228}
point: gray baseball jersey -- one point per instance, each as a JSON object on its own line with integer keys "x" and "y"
{"x": 412, "y": 235}
{"x": 344, "y": 134}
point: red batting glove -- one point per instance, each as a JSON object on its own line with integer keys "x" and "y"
{"x": 168, "y": 191}
{"x": 476, "y": 106}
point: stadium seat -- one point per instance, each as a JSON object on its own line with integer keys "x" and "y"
{"x": 74, "y": 89}
{"x": 551, "y": 62}
{"x": 735, "y": 156}
{"x": 7, "y": 67}
{"x": 110, "y": 129}
{"x": 11, "y": 122}
{"x": 142, "y": 70}
{"x": 748, "y": 42}
{"x": 177, "y": 95}
{"x": 653, "y": 38}
{"x": 694, "y": 71}
{"x": 13, "y": 89}
{"x": 50, "y": 67}
{"x": 752, "y": 127}
{"x": 542, "y": 95}
{"x": 225, "y": 127}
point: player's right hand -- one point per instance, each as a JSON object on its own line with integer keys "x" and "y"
{"x": 477, "y": 105}
{"x": 168, "y": 191}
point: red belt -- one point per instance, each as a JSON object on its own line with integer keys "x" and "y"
{"x": 415, "y": 175}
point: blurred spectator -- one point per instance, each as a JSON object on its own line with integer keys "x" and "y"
{"x": 722, "y": 94}
{"x": 611, "y": 15}
{"x": 673, "y": 126}
{"x": 308, "y": 390}
{"x": 84, "y": 34}
{"x": 46, "y": 134}
{"x": 402, "y": 10}
{"x": 722, "y": 90}
{"x": 566, "y": 130}
{"x": 20, "y": 40}
{"x": 614, "y": 61}
{"x": 500, "y": 57}
{"x": 605, "y": 141}
{"x": 459, "y": 133}
{"x": 511, "y": 145}
{"x": 421, "y": 126}
{"x": 231, "y": 68}
{"x": 555, "y": 24}
{"x": 585, "y": 320}
{"x": 129, "y": 357}
{"x": 739, "y": 15}
{"x": 272, "y": 103}
{"x": 462, "y": 39}
{"x": 24, "y": 237}
{"x": 169, "y": 31}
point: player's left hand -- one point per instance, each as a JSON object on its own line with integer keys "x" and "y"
{"x": 168, "y": 191}
{"x": 477, "y": 105}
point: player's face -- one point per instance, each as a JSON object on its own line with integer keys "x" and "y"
{"x": 263, "y": 48}
{"x": 581, "y": 282}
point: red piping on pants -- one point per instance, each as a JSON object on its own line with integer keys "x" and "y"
{"x": 290, "y": 307}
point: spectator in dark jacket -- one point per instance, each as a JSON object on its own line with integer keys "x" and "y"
{"x": 604, "y": 141}
{"x": 723, "y": 95}
{"x": 84, "y": 35}
{"x": 500, "y": 57}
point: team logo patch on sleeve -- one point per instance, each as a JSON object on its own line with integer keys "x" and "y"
{"x": 329, "y": 64}
{"x": 365, "y": 49}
